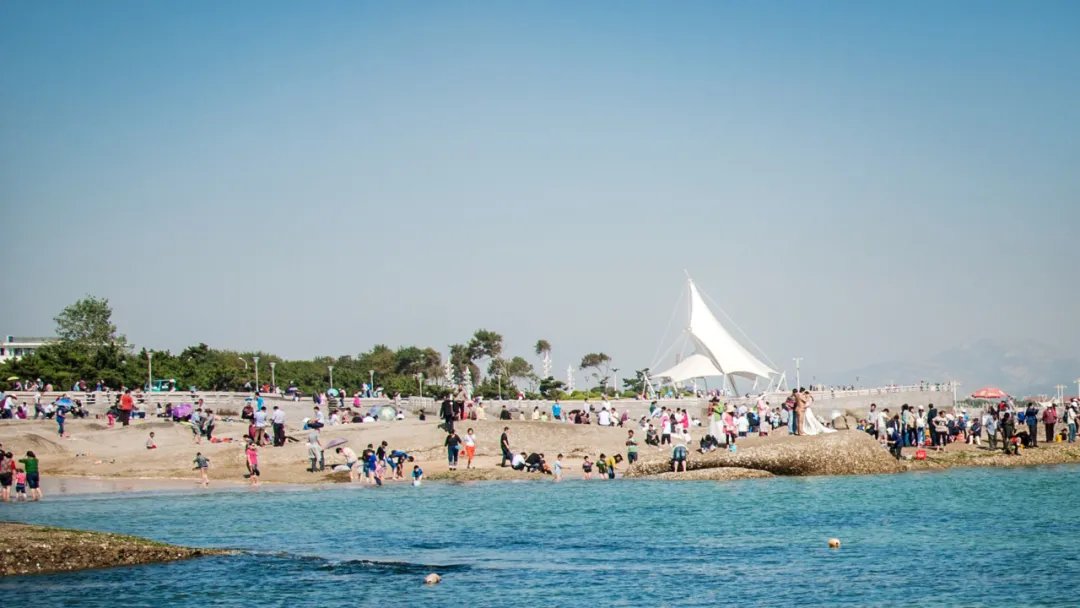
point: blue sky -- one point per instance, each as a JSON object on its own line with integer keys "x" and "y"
{"x": 852, "y": 181}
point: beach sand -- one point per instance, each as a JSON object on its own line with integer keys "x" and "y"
{"x": 95, "y": 458}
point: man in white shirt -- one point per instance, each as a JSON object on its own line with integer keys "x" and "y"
{"x": 604, "y": 417}
{"x": 260, "y": 425}
{"x": 518, "y": 462}
{"x": 277, "y": 418}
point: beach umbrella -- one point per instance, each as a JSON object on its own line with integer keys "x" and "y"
{"x": 13, "y": 379}
{"x": 336, "y": 442}
{"x": 989, "y": 392}
{"x": 332, "y": 392}
{"x": 387, "y": 413}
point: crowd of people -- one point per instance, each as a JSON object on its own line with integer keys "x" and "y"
{"x": 1007, "y": 424}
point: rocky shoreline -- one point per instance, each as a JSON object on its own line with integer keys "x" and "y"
{"x": 30, "y": 549}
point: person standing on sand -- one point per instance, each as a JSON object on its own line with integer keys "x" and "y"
{"x": 126, "y": 405}
{"x": 504, "y": 445}
{"x": 446, "y": 412}
{"x": 1008, "y": 429}
{"x": 453, "y": 446}
{"x": 277, "y": 419}
{"x": 260, "y": 424}
{"x": 202, "y": 463}
{"x": 315, "y": 450}
{"x": 1069, "y": 418}
{"x": 801, "y": 400}
{"x": 1050, "y": 418}
{"x": 631, "y": 448}
{"x": 470, "y": 448}
{"x": 558, "y": 468}
{"x": 1031, "y": 417}
{"x": 208, "y": 424}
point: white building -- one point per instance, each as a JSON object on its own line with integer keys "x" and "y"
{"x": 14, "y": 347}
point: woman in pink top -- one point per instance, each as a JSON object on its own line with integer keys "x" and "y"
{"x": 252, "y": 454}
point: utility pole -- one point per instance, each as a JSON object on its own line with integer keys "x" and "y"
{"x": 273, "y": 379}
{"x": 331, "y": 368}
{"x": 149, "y": 370}
{"x": 256, "y": 360}
{"x": 798, "y": 379}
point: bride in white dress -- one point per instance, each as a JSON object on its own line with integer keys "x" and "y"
{"x": 811, "y": 425}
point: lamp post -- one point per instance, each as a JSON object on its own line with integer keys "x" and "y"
{"x": 256, "y": 360}
{"x": 615, "y": 373}
{"x": 331, "y": 368}
{"x": 371, "y": 381}
{"x": 149, "y": 370}
{"x": 420, "y": 382}
{"x": 798, "y": 379}
{"x": 273, "y": 378}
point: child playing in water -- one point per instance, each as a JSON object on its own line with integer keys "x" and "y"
{"x": 558, "y": 468}
{"x": 20, "y": 485}
{"x": 417, "y": 475}
{"x": 202, "y": 463}
{"x": 586, "y": 468}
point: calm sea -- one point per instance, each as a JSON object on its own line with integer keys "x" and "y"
{"x": 976, "y": 537}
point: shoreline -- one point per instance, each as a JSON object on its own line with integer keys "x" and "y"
{"x": 82, "y": 485}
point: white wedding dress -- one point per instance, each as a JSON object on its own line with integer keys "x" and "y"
{"x": 811, "y": 424}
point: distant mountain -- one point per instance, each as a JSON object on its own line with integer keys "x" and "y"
{"x": 1018, "y": 367}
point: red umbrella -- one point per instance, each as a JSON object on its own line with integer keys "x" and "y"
{"x": 989, "y": 392}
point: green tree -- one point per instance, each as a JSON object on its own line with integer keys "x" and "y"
{"x": 88, "y": 323}
{"x": 599, "y": 363}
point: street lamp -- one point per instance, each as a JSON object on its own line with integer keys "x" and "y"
{"x": 798, "y": 380}
{"x": 149, "y": 370}
{"x": 420, "y": 382}
{"x": 371, "y": 381}
{"x": 331, "y": 368}
{"x": 273, "y": 379}
{"x": 256, "y": 360}
{"x": 615, "y": 371}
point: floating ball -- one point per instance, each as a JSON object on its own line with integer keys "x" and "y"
{"x": 432, "y": 579}
{"x": 834, "y": 543}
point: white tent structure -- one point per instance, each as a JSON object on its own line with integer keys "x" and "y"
{"x": 716, "y": 352}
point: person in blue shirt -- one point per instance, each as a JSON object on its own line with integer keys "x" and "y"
{"x": 556, "y": 411}
{"x": 417, "y": 475}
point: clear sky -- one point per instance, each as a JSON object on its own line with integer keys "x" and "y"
{"x": 851, "y": 181}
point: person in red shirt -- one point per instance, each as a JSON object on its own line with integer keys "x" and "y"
{"x": 126, "y": 405}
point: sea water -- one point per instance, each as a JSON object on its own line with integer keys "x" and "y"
{"x": 974, "y": 537}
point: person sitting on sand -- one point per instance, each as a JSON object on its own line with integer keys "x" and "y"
{"x": 150, "y": 443}
{"x": 678, "y": 458}
{"x": 651, "y": 436}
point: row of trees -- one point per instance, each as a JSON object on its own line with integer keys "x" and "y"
{"x": 89, "y": 347}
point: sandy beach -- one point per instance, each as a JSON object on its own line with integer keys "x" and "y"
{"x": 93, "y": 458}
